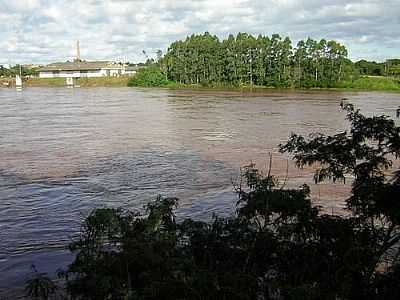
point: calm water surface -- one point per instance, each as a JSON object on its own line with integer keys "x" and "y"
{"x": 64, "y": 152}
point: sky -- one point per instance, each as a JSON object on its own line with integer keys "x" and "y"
{"x": 43, "y": 31}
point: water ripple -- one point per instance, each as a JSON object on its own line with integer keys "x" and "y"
{"x": 66, "y": 151}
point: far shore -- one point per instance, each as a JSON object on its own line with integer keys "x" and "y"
{"x": 61, "y": 82}
{"x": 378, "y": 84}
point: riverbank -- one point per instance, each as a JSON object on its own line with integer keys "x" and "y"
{"x": 61, "y": 82}
{"x": 363, "y": 84}
{"x": 82, "y": 82}
{"x": 370, "y": 83}
{"x": 154, "y": 78}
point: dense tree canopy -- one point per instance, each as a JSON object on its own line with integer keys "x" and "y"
{"x": 12, "y": 71}
{"x": 390, "y": 67}
{"x": 247, "y": 60}
{"x": 148, "y": 77}
{"x": 262, "y": 60}
{"x": 371, "y": 68}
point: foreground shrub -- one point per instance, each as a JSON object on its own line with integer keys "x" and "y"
{"x": 276, "y": 246}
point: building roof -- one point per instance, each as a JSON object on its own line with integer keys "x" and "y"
{"x": 79, "y": 66}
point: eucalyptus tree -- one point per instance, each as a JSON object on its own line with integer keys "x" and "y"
{"x": 314, "y": 55}
{"x": 229, "y": 63}
{"x": 285, "y": 62}
{"x": 300, "y": 64}
{"x": 263, "y": 43}
{"x": 262, "y": 60}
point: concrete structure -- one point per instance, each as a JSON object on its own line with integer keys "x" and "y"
{"x": 80, "y": 68}
{"x": 130, "y": 70}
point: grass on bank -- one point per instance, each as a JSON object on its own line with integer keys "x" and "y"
{"x": 366, "y": 83}
{"x": 372, "y": 83}
{"x": 150, "y": 77}
{"x": 153, "y": 77}
{"x": 121, "y": 81}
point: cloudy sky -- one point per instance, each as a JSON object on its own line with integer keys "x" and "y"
{"x": 42, "y": 31}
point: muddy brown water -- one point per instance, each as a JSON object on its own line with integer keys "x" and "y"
{"x": 64, "y": 152}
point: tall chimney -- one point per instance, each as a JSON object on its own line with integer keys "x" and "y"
{"x": 78, "y": 52}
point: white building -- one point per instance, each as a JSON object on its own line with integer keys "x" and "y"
{"x": 79, "y": 68}
{"x": 130, "y": 70}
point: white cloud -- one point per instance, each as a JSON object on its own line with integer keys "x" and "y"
{"x": 46, "y": 30}
{"x": 20, "y": 5}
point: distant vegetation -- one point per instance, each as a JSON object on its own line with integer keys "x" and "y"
{"x": 262, "y": 60}
{"x": 246, "y": 60}
{"x": 149, "y": 77}
{"x": 390, "y": 68}
{"x": 374, "y": 83}
{"x": 277, "y": 245}
{"x": 4, "y": 72}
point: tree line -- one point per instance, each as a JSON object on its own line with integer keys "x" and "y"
{"x": 244, "y": 59}
{"x": 17, "y": 70}
{"x": 390, "y": 67}
{"x": 262, "y": 60}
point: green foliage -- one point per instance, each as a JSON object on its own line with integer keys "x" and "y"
{"x": 14, "y": 70}
{"x": 366, "y": 152}
{"x": 249, "y": 60}
{"x": 203, "y": 60}
{"x": 245, "y": 60}
{"x": 40, "y": 286}
{"x": 394, "y": 71}
{"x": 392, "y": 67}
{"x": 277, "y": 245}
{"x": 149, "y": 77}
{"x": 4, "y": 72}
{"x": 370, "y": 68}
{"x": 372, "y": 83}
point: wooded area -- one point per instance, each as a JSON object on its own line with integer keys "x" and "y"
{"x": 265, "y": 61}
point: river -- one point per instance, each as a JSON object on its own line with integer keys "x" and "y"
{"x": 65, "y": 151}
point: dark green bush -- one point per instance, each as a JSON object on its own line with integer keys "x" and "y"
{"x": 277, "y": 245}
{"x": 149, "y": 77}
